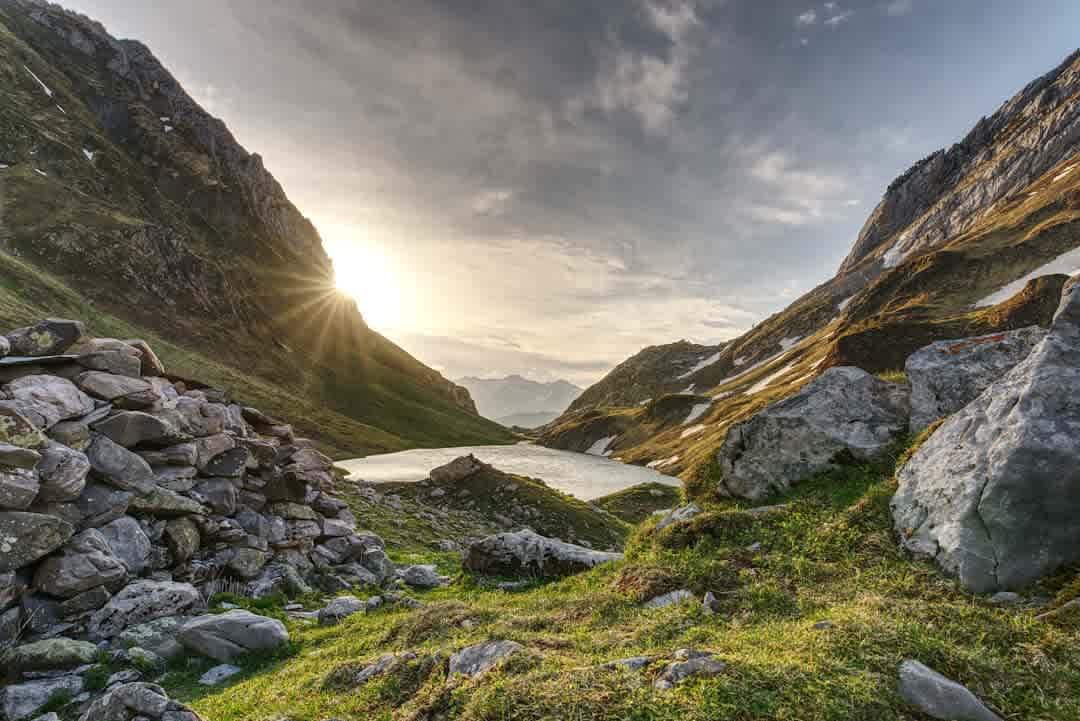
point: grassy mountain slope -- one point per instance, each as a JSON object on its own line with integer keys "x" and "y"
{"x": 118, "y": 188}
{"x": 813, "y": 625}
{"x": 955, "y": 230}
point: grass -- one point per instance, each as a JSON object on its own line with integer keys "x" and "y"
{"x": 829, "y": 555}
{"x": 638, "y": 503}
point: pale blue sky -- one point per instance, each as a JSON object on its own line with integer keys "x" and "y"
{"x": 544, "y": 187}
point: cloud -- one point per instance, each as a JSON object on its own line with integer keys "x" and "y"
{"x": 839, "y": 18}
{"x": 492, "y": 202}
{"x": 896, "y": 8}
{"x": 807, "y": 18}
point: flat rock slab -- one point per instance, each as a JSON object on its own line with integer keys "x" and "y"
{"x": 528, "y": 553}
{"x": 477, "y": 660}
{"x": 219, "y": 674}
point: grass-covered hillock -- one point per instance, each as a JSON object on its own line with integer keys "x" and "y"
{"x": 638, "y": 503}
{"x": 816, "y": 609}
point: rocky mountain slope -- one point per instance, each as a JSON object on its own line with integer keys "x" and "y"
{"x": 517, "y": 401}
{"x": 971, "y": 240}
{"x": 112, "y": 177}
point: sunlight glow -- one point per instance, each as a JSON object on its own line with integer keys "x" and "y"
{"x": 366, "y": 273}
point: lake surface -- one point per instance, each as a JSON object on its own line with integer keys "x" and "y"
{"x": 583, "y": 476}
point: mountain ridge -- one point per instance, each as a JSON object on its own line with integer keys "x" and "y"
{"x": 518, "y": 401}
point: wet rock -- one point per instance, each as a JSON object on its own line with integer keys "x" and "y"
{"x": 940, "y": 698}
{"x": 230, "y": 635}
{"x": 477, "y": 660}
{"x": 844, "y": 412}
{"x": 28, "y": 537}
{"x": 529, "y": 554}
{"x": 141, "y": 602}
{"x": 85, "y": 562}
{"x": 993, "y": 495}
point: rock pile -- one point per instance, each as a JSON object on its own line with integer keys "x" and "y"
{"x": 127, "y": 498}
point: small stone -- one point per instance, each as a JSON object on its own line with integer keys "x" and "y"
{"x": 219, "y": 674}
{"x": 339, "y": 609}
{"x": 824, "y": 625}
{"x": 670, "y": 599}
{"x": 688, "y": 664}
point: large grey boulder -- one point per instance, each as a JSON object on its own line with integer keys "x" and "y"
{"x": 129, "y": 543}
{"x": 27, "y": 537}
{"x": 137, "y": 701}
{"x": 994, "y": 494}
{"x": 422, "y": 576}
{"x": 50, "y": 399}
{"x": 228, "y": 636}
{"x": 24, "y": 700}
{"x": 477, "y": 660}
{"x": 86, "y": 562}
{"x": 62, "y": 473}
{"x": 457, "y": 470}
{"x": 51, "y": 336}
{"x": 949, "y": 374}
{"x": 141, "y": 602}
{"x": 939, "y": 697}
{"x": 527, "y": 553}
{"x": 119, "y": 467}
{"x": 844, "y": 413}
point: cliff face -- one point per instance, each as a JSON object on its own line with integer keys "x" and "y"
{"x": 112, "y": 177}
{"x": 970, "y": 240}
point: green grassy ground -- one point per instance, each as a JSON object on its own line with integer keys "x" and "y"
{"x": 636, "y": 504}
{"x": 829, "y": 555}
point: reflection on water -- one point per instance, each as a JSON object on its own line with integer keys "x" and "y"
{"x": 580, "y": 475}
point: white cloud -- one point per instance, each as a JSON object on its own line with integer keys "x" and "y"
{"x": 492, "y": 202}
{"x": 650, "y": 87}
{"x": 839, "y": 18}
{"x": 807, "y": 18}
{"x": 896, "y": 8}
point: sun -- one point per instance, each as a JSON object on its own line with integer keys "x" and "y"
{"x": 366, "y": 273}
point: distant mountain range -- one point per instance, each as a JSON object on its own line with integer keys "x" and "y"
{"x": 517, "y": 401}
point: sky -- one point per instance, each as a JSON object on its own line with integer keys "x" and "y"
{"x": 545, "y": 187}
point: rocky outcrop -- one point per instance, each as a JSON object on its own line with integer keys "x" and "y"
{"x": 846, "y": 412}
{"x": 994, "y": 494}
{"x": 949, "y": 374}
{"x": 526, "y": 553}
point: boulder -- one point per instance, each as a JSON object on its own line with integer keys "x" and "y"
{"x": 85, "y": 602}
{"x": 688, "y": 664}
{"x": 993, "y": 495}
{"x": 18, "y": 457}
{"x": 422, "y": 577}
{"x": 129, "y": 543}
{"x": 228, "y": 636}
{"x": 220, "y": 494}
{"x": 53, "y": 654}
{"x": 940, "y": 698}
{"x": 164, "y": 503}
{"x": 16, "y": 429}
{"x": 99, "y": 504}
{"x": 530, "y": 554}
{"x": 119, "y": 467}
{"x": 137, "y": 701}
{"x": 339, "y": 609}
{"x": 86, "y": 561}
{"x": 457, "y": 470}
{"x": 110, "y": 356}
{"x": 183, "y": 539}
{"x": 209, "y": 448}
{"x": 49, "y": 398}
{"x": 685, "y": 513}
{"x": 24, "y": 700}
{"x": 28, "y": 537}
{"x": 157, "y": 637}
{"x": 18, "y": 488}
{"x": 844, "y": 413}
{"x": 51, "y": 336}
{"x": 123, "y": 392}
{"x": 477, "y": 660}
{"x": 141, "y": 602}
{"x": 949, "y": 374}
{"x": 136, "y": 428}
{"x": 62, "y": 473}
{"x": 232, "y": 463}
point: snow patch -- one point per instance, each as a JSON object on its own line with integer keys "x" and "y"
{"x": 1066, "y": 264}
{"x": 893, "y": 257}
{"x": 752, "y": 368}
{"x": 1065, "y": 173}
{"x": 89, "y": 154}
{"x": 844, "y": 303}
{"x": 645, "y": 402}
{"x": 701, "y": 366}
{"x": 40, "y": 172}
{"x": 168, "y": 128}
{"x": 741, "y": 361}
{"x": 4, "y": 166}
{"x": 664, "y": 462}
{"x": 689, "y": 390}
{"x": 692, "y": 431}
{"x": 789, "y": 343}
{"x": 61, "y": 109}
{"x": 768, "y": 381}
{"x": 697, "y": 412}
{"x": 600, "y": 448}
{"x": 44, "y": 87}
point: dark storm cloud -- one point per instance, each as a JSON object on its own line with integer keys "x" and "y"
{"x": 581, "y": 179}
